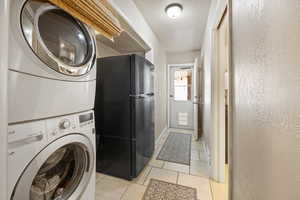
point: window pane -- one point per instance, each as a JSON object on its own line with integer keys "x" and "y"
{"x": 183, "y": 85}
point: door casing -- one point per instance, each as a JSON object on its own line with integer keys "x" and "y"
{"x": 196, "y": 98}
{"x": 218, "y": 84}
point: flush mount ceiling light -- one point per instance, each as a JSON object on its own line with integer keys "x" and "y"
{"x": 174, "y": 10}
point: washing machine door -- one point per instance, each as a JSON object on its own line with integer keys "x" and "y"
{"x": 61, "y": 171}
{"x": 59, "y": 40}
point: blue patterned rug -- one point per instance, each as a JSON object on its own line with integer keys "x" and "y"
{"x": 177, "y": 148}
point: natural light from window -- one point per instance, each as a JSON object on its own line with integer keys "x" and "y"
{"x": 183, "y": 85}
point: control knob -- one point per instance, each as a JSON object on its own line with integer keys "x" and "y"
{"x": 65, "y": 124}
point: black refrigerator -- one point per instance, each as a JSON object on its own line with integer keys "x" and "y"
{"x": 124, "y": 114}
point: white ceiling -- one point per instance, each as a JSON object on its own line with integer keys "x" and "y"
{"x": 177, "y": 35}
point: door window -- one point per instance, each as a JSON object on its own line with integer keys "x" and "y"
{"x": 59, "y": 40}
{"x": 63, "y": 37}
{"x": 60, "y": 175}
{"x": 183, "y": 85}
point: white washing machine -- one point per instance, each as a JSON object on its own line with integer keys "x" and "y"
{"x": 52, "y": 62}
{"x": 52, "y": 159}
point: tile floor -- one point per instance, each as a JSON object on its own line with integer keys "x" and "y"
{"x": 220, "y": 190}
{"x": 195, "y": 175}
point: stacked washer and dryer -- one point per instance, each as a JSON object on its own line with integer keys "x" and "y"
{"x": 52, "y": 80}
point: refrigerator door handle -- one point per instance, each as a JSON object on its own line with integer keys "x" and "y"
{"x": 139, "y": 96}
{"x": 150, "y": 94}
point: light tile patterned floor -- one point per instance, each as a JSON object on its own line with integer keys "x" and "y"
{"x": 177, "y": 167}
{"x": 111, "y": 188}
{"x": 220, "y": 190}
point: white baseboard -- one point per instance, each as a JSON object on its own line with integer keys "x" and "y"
{"x": 161, "y": 134}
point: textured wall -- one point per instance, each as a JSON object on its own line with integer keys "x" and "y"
{"x": 182, "y": 57}
{"x": 266, "y": 56}
{"x": 160, "y": 63}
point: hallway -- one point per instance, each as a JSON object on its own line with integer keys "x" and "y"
{"x": 195, "y": 176}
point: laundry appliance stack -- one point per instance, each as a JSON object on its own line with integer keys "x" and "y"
{"x": 51, "y": 92}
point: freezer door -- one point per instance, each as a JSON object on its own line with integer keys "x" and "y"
{"x": 112, "y": 103}
{"x": 142, "y": 76}
{"x": 143, "y": 132}
{"x": 148, "y": 78}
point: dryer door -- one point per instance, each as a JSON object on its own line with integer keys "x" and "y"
{"x": 61, "y": 171}
{"x": 59, "y": 40}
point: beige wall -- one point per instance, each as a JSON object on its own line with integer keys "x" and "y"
{"x": 266, "y": 46}
{"x": 157, "y": 56}
{"x": 182, "y": 57}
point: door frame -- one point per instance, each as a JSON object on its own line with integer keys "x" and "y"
{"x": 196, "y": 97}
{"x": 218, "y": 151}
{"x": 4, "y": 22}
{"x": 192, "y": 65}
{"x": 202, "y": 95}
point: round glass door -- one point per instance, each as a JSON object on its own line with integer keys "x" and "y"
{"x": 61, "y": 171}
{"x": 60, "y": 175}
{"x": 59, "y": 40}
{"x": 63, "y": 37}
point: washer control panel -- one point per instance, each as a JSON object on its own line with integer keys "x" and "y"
{"x": 86, "y": 119}
{"x": 61, "y": 125}
{"x": 65, "y": 124}
{"x": 57, "y": 127}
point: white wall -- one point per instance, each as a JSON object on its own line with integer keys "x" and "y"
{"x": 157, "y": 56}
{"x": 207, "y": 55}
{"x": 105, "y": 51}
{"x": 182, "y": 57}
{"x": 3, "y": 96}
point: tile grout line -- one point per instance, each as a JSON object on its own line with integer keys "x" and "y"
{"x": 123, "y": 194}
{"x": 199, "y": 176}
{"x": 146, "y": 177}
{"x": 211, "y": 190}
{"x": 163, "y": 165}
{"x": 174, "y": 170}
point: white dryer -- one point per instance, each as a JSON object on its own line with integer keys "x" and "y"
{"x": 52, "y": 159}
{"x": 52, "y": 62}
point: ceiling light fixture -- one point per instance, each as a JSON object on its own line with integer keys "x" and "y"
{"x": 174, "y": 10}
